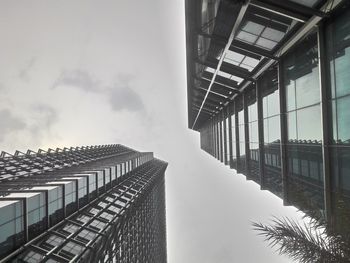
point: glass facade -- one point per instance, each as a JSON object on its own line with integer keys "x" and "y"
{"x": 227, "y": 140}
{"x": 304, "y": 132}
{"x": 298, "y": 146}
{"x": 46, "y": 200}
{"x": 241, "y": 165}
{"x": 272, "y": 136}
{"x": 338, "y": 62}
{"x": 253, "y": 156}
{"x": 234, "y": 142}
{"x": 11, "y": 226}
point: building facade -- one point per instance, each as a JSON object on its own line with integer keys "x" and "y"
{"x": 84, "y": 204}
{"x": 269, "y": 92}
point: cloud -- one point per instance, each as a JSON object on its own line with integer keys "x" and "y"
{"x": 120, "y": 96}
{"x": 46, "y": 115}
{"x": 9, "y": 123}
{"x": 125, "y": 98}
{"x": 23, "y": 73}
{"x": 79, "y": 79}
{"x": 43, "y": 118}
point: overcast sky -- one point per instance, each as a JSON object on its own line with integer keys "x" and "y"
{"x": 85, "y": 72}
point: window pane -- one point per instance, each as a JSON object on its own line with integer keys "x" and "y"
{"x": 301, "y": 74}
{"x": 338, "y": 47}
{"x": 341, "y": 120}
{"x": 309, "y": 124}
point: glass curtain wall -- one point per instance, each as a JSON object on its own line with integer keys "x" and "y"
{"x": 272, "y": 132}
{"x": 253, "y": 164}
{"x": 338, "y": 62}
{"x": 11, "y": 226}
{"x": 304, "y": 148}
{"x": 241, "y": 165}
{"x": 36, "y": 204}
{"x": 217, "y": 139}
{"x": 234, "y": 141}
{"x": 223, "y": 137}
{"x": 227, "y": 140}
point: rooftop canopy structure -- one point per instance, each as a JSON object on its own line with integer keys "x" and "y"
{"x": 269, "y": 91}
{"x": 231, "y": 43}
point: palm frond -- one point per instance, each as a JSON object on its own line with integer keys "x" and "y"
{"x": 303, "y": 242}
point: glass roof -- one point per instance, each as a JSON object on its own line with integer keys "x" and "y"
{"x": 240, "y": 60}
{"x": 259, "y": 35}
{"x": 229, "y": 76}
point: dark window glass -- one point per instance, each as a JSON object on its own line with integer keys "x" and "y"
{"x": 301, "y": 75}
{"x": 338, "y": 52}
{"x": 341, "y": 119}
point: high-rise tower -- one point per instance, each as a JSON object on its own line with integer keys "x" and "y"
{"x": 88, "y": 204}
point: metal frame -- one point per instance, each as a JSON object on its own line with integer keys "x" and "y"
{"x": 325, "y": 123}
{"x": 145, "y": 177}
{"x": 309, "y": 18}
{"x": 260, "y": 134}
{"x": 224, "y": 116}
{"x": 238, "y": 21}
{"x": 229, "y": 115}
{"x": 284, "y": 135}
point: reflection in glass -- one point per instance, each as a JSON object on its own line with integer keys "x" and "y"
{"x": 301, "y": 75}
{"x": 227, "y": 139}
{"x": 338, "y": 59}
{"x": 304, "y": 149}
{"x": 11, "y": 226}
{"x": 305, "y": 124}
{"x": 253, "y": 156}
{"x": 272, "y": 180}
{"x": 242, "y": 150}
{"x": 233, "y": 132}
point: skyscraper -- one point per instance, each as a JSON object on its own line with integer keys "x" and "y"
{"x": 84, "y": 204}
{"x": 269, "y": 92}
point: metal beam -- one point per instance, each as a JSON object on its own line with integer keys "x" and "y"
{"x": 259, "y": 100}
{"x": 266, "y": 21}
{"x": 284, "y": 134}
{"x": 265, "y": 5}
{"x": 209, "y": 101}
{"x": 213, "y": 92}
{"x": 225, "y": 90}
{"x": 238, "y": 21}
{"x": 221, "y": 80}
{"x": 229, "y": 114}
{"x": 211, "y": 111}
{"x": 226, "y": 67}
{"x": 204, "y": 111}
{"x": 251, "y": 49}
{"x": 240, "y": 46}
{"x": 321, "y": 39}
{"x": 246, "y": 136}
{"x": 296, "y": 7}
{"x": 211, "y": 95}
{"x": 287, "y": 45}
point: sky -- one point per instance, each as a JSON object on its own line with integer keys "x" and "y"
{"x": 85, "y": 72}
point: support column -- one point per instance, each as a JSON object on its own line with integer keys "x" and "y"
{"x": 217, "y": 138}
{"x": 224, "y": 115}
{"x": 246, "y": 136}
{"x": 237, "y": 137}
{"x": 221, "y": 139}
{"x": 284, "y": 135}
{"x": 229, "y": 114}
{"x": 260, "y": 134}
{"x": 325, "y": 123}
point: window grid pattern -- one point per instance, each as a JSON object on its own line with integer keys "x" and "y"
{"x": 102, "y": 233}
{"x": 44, "y": 193}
